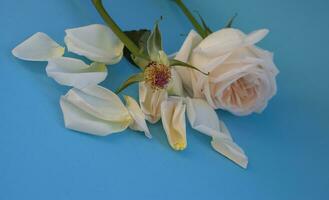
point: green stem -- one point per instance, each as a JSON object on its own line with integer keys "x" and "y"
{"x": 192, "y": 19}
{"x": 133, "y": 48}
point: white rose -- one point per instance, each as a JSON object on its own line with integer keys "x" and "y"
{"x": 241, "y": 76}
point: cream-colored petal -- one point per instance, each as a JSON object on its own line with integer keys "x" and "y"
{"x": 38, "y": 47}
{"x": 138, "y": 123}
{"x": 173, "y": 121}
{"x": 96, "y": 42}
{"x": 256, "y": 36}
{"x": 221, "y": 42}
{"x": 150, "y": 101}
{"x": 228, "y": 148}
{"x": 191, "y": 41}
{"x": 79, "y": 120}
{"x": 204, "y": 119}
{"x": 74, "y": 72}
{"x": 228, "y": 39}
{"x": 99, "y": 102}
{"x": 267, "y": 58}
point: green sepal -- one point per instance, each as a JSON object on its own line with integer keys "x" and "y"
{"x": 230, "y": 21}
{"x": 174, "y": 62}
{"x": 131, "y": 80}
{"x": 207, "y": 30}
{"x": 154, "y": 43}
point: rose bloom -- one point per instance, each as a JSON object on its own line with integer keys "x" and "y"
{"x": 241, "y": 76}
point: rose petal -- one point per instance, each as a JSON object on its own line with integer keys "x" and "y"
{"x": 228, "y": 39}
{"x": 221, "y": 42}
{"x": 96, "y": 42}
{"x": 138, "y": 116}
{"x": 150, "y": 101}
{"x": 38, "y": 47}
{"x": 256, "y": 36}
{"x": 173, "y": 121}
{"x": 204, "y": 119}
{"x": 74, "y": 72}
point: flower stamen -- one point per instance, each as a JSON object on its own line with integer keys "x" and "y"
{"x": 157, "y": 75}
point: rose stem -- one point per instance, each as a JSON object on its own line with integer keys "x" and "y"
{"x": 192, "y": 19}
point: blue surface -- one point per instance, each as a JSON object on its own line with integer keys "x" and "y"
{"x": 287, "y": 145}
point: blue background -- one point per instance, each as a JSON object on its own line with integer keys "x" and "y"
{"x": 287, "y": 145}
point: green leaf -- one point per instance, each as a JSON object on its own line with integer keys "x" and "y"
{"x": 139, "y": 37}
{"x": 154, "y": 43}
{"x": 174, "y": 62}
{"x": 131, "y": 80}
{"x": 230, "y": 21}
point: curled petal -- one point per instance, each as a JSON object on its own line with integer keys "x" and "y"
{"x": 192, "y": 40}
{"x": 96, "y": 42}
{"x": 204, "y": 119}
{"x": 173, "y": 121}
{"x": 150, "y": 101}
{"x": 228, "y": 148}
{"x": 94, "y": 110}
{"x": 74, "y": 72}
{"x": 256, "y": 36}
{"x": 139, "y": 123}
{"x": 38, "y": 47}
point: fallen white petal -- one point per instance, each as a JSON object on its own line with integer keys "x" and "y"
{"x": 139, "y": 123}
{"x": 228, "y": 148}
{"x": 173, "y": 121}
{"x": 94, "y": 110}
{"x": 204, "y": 119}
{"x": 74, "y": 72}
{"x": 38, "y": 47}
{"x": 96, "y": 42}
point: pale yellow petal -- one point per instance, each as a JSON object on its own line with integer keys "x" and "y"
{"x": 38, "y": 47}
{"x": 173, "y": 121}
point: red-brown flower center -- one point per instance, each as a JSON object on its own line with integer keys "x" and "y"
{"x": 157, "y": 75}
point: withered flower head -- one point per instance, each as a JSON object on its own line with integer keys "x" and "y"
{"x": 157, "y": 75}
